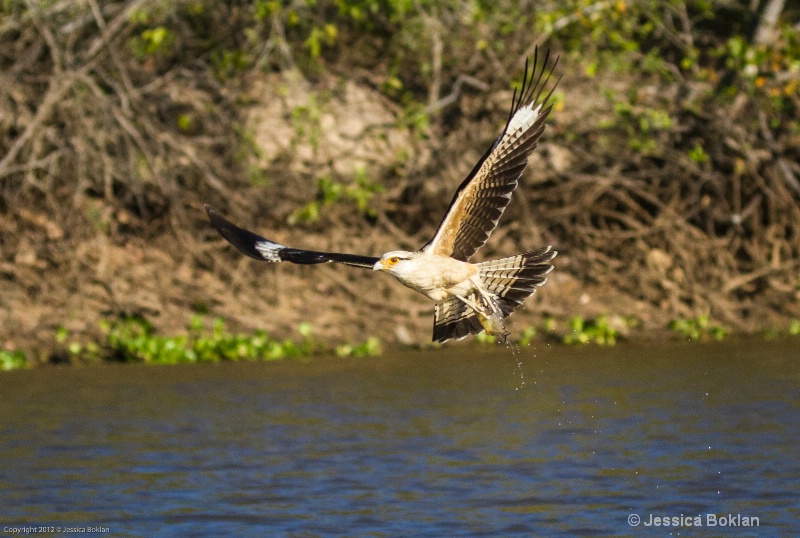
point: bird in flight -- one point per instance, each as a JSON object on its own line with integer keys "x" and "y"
{"x": 470, "y": 297}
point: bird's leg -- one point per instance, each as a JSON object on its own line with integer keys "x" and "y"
{"x": 478, "y": 289}
{"x": 470, "y": 303}
{"x": 489, "y": 313}
{"x": 489, "y": 297}
{"x": 495, "y": 318}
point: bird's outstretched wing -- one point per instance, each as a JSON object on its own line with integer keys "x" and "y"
{"x": 483, "y": 196}
{"x": 263, "y": 249}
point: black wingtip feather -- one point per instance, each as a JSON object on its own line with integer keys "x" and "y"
{"x": 244, "y": 240}
{"x": 530, "y": 91}
{"x": 247, "y": 243}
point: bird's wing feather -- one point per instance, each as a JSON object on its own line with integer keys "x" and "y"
{"x": 453, "y": 319}
{"x": 511, "y": 280}
{"x": 483, "y": 196}
{"x": 263, "y": 249}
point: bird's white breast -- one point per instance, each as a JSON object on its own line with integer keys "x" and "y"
{"x": 436, "y": 276}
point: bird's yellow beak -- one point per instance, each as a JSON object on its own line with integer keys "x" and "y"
{"x": 378, "y": 266}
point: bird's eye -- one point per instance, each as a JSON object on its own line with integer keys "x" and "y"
{"x": 394, "y": 259}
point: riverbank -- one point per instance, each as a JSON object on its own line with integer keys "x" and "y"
{"x": 667, "y": 177}
{"x": 133, "y": 338}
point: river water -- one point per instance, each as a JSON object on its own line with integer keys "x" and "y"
{"x": 437, "y": 443}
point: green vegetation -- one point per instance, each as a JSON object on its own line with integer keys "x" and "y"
{"x": 547, "y": 330}
{"x": 598, "y": 331}
{"x": 133, "y": 339}
{"x": 772, "y": 332}
{"x": 699, "y": 328}
{"x": 12, "y": 360}
{"x": 306, "y": 120}
{"x": 527, "y": 336}
{"x": 486, "y": 339}
{"x": 370, "y": 348}
{"x": 794, "y": 327}
{"x": 604, "y": 330}
{"x": 359, "y": 192}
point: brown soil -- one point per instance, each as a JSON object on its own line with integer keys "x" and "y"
{"x": 164, "y": 282}
{"x": 107, "y": 160}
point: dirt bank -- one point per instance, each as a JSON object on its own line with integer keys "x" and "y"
{"x": 668, "y": 181}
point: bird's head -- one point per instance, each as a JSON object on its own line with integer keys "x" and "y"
{"x": 393, "y": 262}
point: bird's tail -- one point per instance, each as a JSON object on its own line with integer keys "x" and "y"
{"x": 511, "y": 280}
{"x": 516, "y": 278}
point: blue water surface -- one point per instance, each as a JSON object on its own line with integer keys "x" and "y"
{"x": 449, "y": 442}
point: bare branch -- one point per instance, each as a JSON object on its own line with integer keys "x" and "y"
{"x": 765, "y": 32}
